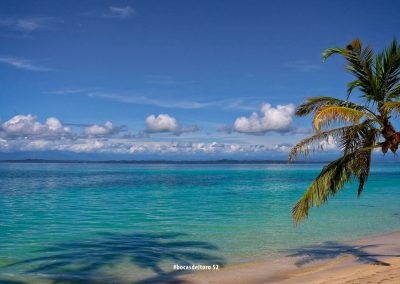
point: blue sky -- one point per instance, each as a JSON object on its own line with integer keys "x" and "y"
{"x": 138, "y": 79}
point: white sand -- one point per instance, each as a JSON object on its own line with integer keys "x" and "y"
{"x": 374, "y": 260}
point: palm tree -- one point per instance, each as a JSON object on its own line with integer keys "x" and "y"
{"x": 358, "y": 129}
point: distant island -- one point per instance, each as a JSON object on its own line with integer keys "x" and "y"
{"x": 222, "y": 161}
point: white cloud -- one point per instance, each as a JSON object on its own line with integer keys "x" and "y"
{"x": 161, "y": 123}
{"x": 195, "y": 148}
{"x": 101, "y": 130}
{"x": 328, "y": 144}
{"x": 284, "y": 147}
{"x": 166, "y": 123}
{"x": 28, "y": 126}
{"x": 120, "y": 12}
{"x": 142, "y": 100}
{"x": 26, "y": 133}
{"x": 66, "y": 91}
{"x": 85, "y": 146}
{"x": 28, "y": 24}
{"x": 205, "y": 148}
{"x": 230, "y": 104}
{"x": 269, "y": 119}
{"x": 22, "y": 64}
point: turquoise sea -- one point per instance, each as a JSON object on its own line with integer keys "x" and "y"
{"x": 130, "y": 223}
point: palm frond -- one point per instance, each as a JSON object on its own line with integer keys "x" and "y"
{"x": 358, "y": 136}
{"x": 330, "y": 181}
{"x": 377, "y": 77}
{"x": 364, "y": 160}
{"x": 329, "y": 115}
{"x": 349, "y": 138}
{"x": 314, "y": 103}
{"x": 394, "y": 93}
{"x": 388, "y": 69}
{"x": 314, "y": 142}
{"x": 364, "y": 137}
{"x": 359, "y": 63}
{"x": 352, "y": 85}
{"x": 335, "y": 50}
{"x": 391, "y": 107}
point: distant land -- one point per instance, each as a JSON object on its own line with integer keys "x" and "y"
{"x": 112, "y": 159}
{"x": 222, "y": 161}
{"x": 216, "y": 162}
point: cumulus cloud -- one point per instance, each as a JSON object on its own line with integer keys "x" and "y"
{"x": 328, "y": 144}
{"x": 103, "y": 130}
{"x": 120, "y": 12}
{"x": 166, "y": 123}
{"x": 161, "y": 123}
{"x": 27, "y": 126}
{"x": 269, "y": 119}
{"x": 283, "y": 147}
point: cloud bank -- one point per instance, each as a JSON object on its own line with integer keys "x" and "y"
{"x": 123, "y": 146}
{"x": 27, "y": 133}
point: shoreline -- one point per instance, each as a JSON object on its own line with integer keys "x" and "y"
{"x": 376, "y": 257}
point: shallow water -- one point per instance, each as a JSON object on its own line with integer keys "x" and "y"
{"x": 104, "y": 223}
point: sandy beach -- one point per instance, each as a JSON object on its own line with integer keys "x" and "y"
{"x": 373, "y": 260}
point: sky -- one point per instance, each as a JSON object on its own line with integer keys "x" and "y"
{"x": 172, "y": 79}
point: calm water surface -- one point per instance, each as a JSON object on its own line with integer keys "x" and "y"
{"x": 98, "y": 223}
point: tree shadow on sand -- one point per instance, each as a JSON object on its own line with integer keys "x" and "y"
{"x": 86, "y": 261}
{"x": 330, "y": 250}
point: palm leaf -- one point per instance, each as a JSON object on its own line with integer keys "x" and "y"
{"x": 331, "y": 180}
{"x": 329, "y": 115}
{"x": 359, "y": 63}
{"x": 357, "y": 136}
{"x": 313, "y": 143}
{"x": 362, "y": 171}
{"x": 352, "y": 85}
{"x": 389, "y": 71}
{"x": 335, "y": 50}
{"x": 314, "y": 103}
{"x": 391, "y": 106}
{"x": 378, "y": 80}
{"x": 394, "y": 93}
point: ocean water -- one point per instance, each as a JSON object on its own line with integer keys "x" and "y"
{"x": 119, "y": 223}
